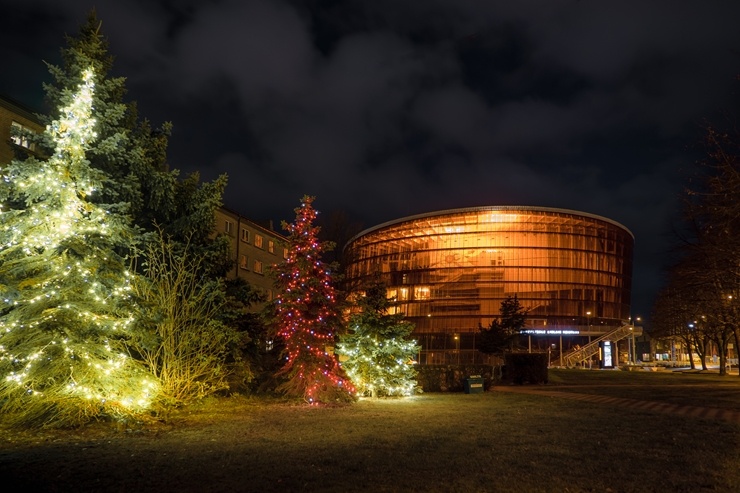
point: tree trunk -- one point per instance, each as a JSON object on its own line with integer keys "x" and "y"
{"x": 722, "y": 350}
{"x": 701, "y": 349}
{"x": 689, "y": 345}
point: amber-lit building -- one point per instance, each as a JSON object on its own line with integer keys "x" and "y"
{"x": 449, "y": 271}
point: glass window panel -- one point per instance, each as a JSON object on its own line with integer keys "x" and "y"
{"x": 460, "y": 266}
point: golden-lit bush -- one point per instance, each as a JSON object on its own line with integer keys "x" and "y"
{"x": 182, "y": 341}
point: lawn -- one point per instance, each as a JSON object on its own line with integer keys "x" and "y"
{"x": 493, "y": 441}
{"x": 695, "y": 388}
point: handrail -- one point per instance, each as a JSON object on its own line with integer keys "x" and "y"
{"x": 586, "y": 352}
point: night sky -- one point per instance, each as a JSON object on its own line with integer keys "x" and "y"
{"x": 388, "y": 108}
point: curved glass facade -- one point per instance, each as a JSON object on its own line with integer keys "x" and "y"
{"x": 449, "y": 271}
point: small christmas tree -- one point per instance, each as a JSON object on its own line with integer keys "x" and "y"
{"x": 378, "y": 353}
{"x": 66, "y": 303}
{"x": 307, "y": 314}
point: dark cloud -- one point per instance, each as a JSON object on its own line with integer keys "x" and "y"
{"x": 396, "y": 107}
{"x": 263, "y": 47}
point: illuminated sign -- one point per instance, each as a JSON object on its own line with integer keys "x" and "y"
{"x": 606, "y": 354}
{"x": 551, "y": 332}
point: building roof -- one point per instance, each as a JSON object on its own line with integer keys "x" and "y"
{"x": 18, "y": 108}
{"x": 265, "y": 226}
{"x": 464, "y": 210}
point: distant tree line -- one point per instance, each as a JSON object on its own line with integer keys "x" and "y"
{"x": 699, "y": 305}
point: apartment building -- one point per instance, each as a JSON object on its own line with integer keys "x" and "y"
{"x": 255, "y": 248}
{"x": 14, "y": 115}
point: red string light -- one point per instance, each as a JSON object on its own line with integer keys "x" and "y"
{"x": 307, "y": 311}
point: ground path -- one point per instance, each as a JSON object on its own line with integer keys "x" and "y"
{"x": 730, "y": 415}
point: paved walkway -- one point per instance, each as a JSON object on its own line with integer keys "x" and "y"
{"x": 730, "y": 415}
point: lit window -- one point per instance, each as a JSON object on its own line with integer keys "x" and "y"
{"x": 228, "y": 227}
{"x": 285, "y": 253}
{"x": 257, "y": 267}
{"x": 403, "y": 294}
{"x": 258, "y": 241}
{"x": 270, "y": 246}
{"x": 421, "y": 292}
{"x": 243, "y": 263}
{"x": 245, "y": 235}
{"x": 20, "y": 140}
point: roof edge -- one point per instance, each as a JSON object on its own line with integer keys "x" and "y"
{"x": 447, "y": 212}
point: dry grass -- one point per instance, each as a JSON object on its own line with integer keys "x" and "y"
{"x": 435, "y": 442}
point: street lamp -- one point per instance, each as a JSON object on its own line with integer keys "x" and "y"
{"x": 730, "y": 346}
{"x": 632, "y": 336}
{"x": 457, "y": 347}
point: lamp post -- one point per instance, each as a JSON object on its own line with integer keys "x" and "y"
{"x": 634, "y": 349}
{"x": 730, "y": 348}
{"x": 457, "y": 347}
{"x": 561, "y": 349}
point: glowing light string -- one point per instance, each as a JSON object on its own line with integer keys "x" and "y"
{"x": 306, "y": 308}
{"x": 69, "y": 289}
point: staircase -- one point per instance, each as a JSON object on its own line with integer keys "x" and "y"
{"x": 586, "y": 352}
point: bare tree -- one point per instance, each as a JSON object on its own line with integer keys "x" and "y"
{"x": 706, "y": 276}
{"x": 184, "y": 344}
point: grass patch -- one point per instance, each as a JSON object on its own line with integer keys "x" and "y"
{"x": 561, "y": 376}
{"x": 492, "y": 441}
{"x": 679, "y": 387}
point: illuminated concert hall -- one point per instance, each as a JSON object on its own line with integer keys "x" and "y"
{"x": 449, "y": 271}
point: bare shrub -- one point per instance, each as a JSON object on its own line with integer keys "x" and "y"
{"x": 183, "y": 342}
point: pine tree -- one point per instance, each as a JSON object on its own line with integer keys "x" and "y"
{"x": 129, "y": 152}
{"x": 377, "y": 350}
{"x": 65, "y": 289}
{"x": 503, "y": 333}
{"x": 133, "y": 156}
{"x": 307, "y": 314}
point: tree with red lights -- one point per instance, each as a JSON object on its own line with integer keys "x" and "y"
{"x": 307, "y": 313}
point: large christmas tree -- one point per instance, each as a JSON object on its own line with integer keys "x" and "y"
{"x": 65, "y": 289}
{"x": 377, "y": 353}
{"x": 168, "y": 212}
{"x": 307, "y": 316}
{"x": 132, "y": 154}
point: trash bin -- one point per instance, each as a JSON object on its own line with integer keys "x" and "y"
{"x": 474, "y": 384}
